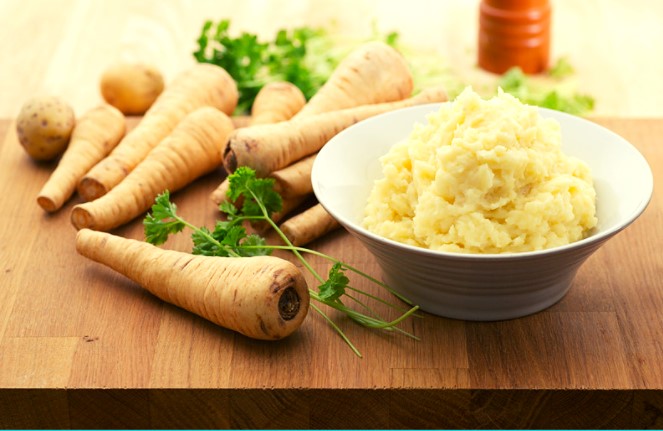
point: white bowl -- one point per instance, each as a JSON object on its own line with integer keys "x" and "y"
{"x": 479, "y": 286}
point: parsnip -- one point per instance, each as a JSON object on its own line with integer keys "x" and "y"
{"x": 201, "y": 85}
{"x": 193, "y": 149}
{"x": 262, "y": 297}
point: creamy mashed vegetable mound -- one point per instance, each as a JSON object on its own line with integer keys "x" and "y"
{"x": 482, "y": 176}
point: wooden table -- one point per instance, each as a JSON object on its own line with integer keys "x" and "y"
{"x": 81, "y": 346}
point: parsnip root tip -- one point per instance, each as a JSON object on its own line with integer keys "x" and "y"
{"x": 90, "y": 189}
{"x": 289, "y": 304}
{"x": 81, "y": 218}
{"x": 229, "y": 159}
{"x": 47, "y": 204}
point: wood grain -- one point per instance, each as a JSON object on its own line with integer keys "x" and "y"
{"x": 82, "y": 346}
{"x": 332, "y": 409}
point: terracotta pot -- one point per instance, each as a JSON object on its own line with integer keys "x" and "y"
{"x": 514, "y": 33}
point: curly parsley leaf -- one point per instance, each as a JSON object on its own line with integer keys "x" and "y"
{"x": 229, "y": 238}
{"x": 203, "y": 246}
{"x": 229, "y": 209}
{"x": 334, "y": 287}
{"x": 258, "y": 193}
{"x": 162, "y": 221}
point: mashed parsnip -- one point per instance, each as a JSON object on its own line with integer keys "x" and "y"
{"x": 482, "y": 176}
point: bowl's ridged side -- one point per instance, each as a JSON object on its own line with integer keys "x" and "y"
{"x": 488, "y": 289}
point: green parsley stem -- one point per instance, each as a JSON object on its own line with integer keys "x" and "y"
{"x": 337, "y": 329}
{"x": 333, "y": 259}
{"x": 285, "y": 239}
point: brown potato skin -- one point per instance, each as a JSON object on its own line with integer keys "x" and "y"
{"x": 131, "y": 87}
{"x": 44, "y": 127}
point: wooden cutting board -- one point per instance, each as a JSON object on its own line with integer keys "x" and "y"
{"x": 70, "y": 328}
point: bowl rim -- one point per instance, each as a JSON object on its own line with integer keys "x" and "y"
{"x": 592, "y": 239}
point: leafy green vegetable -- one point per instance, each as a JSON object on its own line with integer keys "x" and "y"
{"x": 515, "y": 82}
{"x": 230, "y": 238}
{"x": 300, "y": 56}
{"x": 553, "y": 89}
{"x": 163, "y": 221}
{"x": 561, "y": 69}
{"x": 392, "y": 38}
{"x": 304, "y": 56}
{"x": 259, "y": 193}
{"x": 334, "y": 287}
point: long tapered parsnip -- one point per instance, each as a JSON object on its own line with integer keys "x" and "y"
{"x": 201, "y": 85}
{"x": 193, "y": 149}
{"x": 309, "y": 225}
{"x": 275, "y": 102}
{"x": 96, "y": 133}
{"x": 373, "y": 73}
{"x": 291, "y": 181}
{"x": 294, "y": 180}
{"x": 269, "y": 147}
{"x": 262, "y": 297}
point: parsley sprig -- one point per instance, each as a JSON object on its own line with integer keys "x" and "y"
{"x": 230, "y": 238}
{"x": 302, "y": 56}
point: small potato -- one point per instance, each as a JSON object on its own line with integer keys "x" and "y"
{"x": 44, "y": 127}
{"x": 131, "y": 87}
